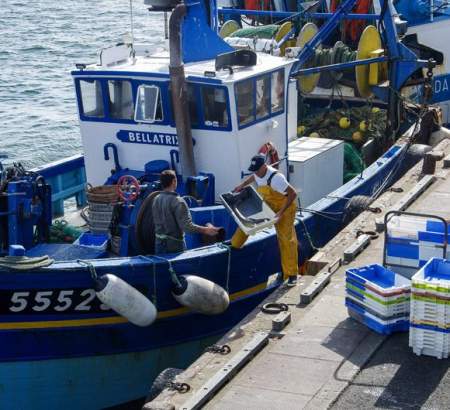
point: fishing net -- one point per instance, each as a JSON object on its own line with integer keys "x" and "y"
{"x": 353, "y": 162}
{"x": 266, "y": 32}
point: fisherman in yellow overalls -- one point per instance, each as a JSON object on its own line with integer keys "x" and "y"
{"x": 280, "y": 196}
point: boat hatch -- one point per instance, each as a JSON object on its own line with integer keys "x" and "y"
{"x": 241, "y": 58}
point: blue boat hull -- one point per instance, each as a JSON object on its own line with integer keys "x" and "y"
{"x": 89, "y": 382}
{"x": 61, "y": 348}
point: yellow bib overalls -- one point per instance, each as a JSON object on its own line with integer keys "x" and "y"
{"x": 287, "y": 237}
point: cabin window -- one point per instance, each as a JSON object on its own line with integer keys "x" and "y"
{"x": 121, "y": 104}
{"x": 259, "y": 98}
{"x": 92, "y": 98}
{"x": 277, "y": 96}
{"x": 244, "y": 98}
{"x": 214, "y": 102}
{"x": 148, "y": 104}
{"x": 192, "y": 104}
{"x": 262, "y": 97}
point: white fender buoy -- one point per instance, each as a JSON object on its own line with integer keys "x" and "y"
{"x": 125, "y": 300}
{"x": 201, "y": 295}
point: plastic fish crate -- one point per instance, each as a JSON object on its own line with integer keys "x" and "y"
{"x": 384, "y": 327}
{"x": 377, "y": 315}
{"x": 376, "y": 311}
{"x": 385, "y": 299}
{"x": 380, "y": 279}
{"x": 425, "y": 341}
{"x": 434, "y": 275}
{"x": 99, "y": 228}
{"x": 391, "y": 309}
{"x": 92, "y": 240}
{"x": 249, "y": 210}
{"x": 95, "y": 217}
{"x": 430, "y": 311}
{"x": 436, "y": 292}
{"x": 101, "y": 207}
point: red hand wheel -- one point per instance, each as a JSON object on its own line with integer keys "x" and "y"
{"x": 128, "y": 188}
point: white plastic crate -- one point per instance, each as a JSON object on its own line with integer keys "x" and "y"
{"x": 394, "y": 309}
{"x": 441, "y": 294}
{"x": 99, "y": 227}
{"x": 101, "y": 207}
{"x": 95, "y": 217}
{"x": 383, "y": 296}
{"x": 429, "y": 342}
{"x": 391, "y": 309}
{"x": 412, "y": 241}
{"x": 429, "y": 312}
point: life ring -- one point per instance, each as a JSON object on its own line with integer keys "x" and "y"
{"x": 354, "y": 28}
{"x": 271, "y": 153}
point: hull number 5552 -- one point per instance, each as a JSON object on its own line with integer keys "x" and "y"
{"x": 53, "y": 301}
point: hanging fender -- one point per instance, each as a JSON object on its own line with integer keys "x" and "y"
{"x": 125, "y": 300}
{"x": 201, "y": 295}
{"x": 268, "y": 149}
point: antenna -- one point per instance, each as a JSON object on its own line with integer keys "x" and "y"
{"x": 131, "y": 23}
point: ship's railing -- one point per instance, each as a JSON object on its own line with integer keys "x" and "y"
{"x": 67, "y": 178}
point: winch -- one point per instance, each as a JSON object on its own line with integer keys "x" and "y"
{"x": 131, "y": 224}
{"x": 25, "y": 207}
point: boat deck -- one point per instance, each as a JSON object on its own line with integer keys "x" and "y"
{"x": 322, "y": 357}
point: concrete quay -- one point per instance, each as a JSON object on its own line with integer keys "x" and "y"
{"x": 322, "y": 358}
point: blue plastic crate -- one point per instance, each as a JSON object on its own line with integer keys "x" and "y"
{"x": 430, "y": 327}
{"x": 359, "y": 314}
{"x": 378, "y": 276}
{"x": 435, "y": 270}
{"x": 91, "y": 240}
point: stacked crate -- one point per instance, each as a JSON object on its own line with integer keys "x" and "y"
{"x": 102, "y": 201}
{"x": 378, "y": 298}
{"x": 429, "y": 332}
{"x": 411, "y": 241}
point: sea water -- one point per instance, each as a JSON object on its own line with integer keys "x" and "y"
{"x": 41, "y": 41}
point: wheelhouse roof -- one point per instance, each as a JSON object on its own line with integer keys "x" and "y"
{"x": 157, "y": 65}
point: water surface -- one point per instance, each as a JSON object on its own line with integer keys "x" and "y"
{"x": 41, "y": 42}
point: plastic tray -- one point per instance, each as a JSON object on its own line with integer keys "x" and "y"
{"x": 249, "y": 210}
{"x": 380, "y": 279}
{"x": 374, "y": 313}
{"x": 101, "y": 207}
{"x": 401, "y": 308}
{"x": 92, "y": 240}
{"x": 428, "y": 342}
{"x": 434, "y": 274}
{"x": 372, "y": 322}
{"x": 385, "y": 299}
{"x": 99, "y": 216}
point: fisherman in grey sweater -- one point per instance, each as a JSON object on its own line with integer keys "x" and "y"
{"x": 172, "y": 218}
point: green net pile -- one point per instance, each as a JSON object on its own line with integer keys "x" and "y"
{"x": 326, "y": 123}
{"x": 267, "y": 32}
{"x": 62, "y": 232}
{"x": 366, "y": 123}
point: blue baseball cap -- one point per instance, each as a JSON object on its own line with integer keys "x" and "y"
{"x": 257, "y": 162}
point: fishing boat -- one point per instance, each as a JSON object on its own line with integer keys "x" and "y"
{"x": 89, "y": 324}
{"x": 428, "y": 24}
{"x": 422, "y": 25}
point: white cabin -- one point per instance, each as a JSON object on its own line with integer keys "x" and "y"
{"x": 125, "y": 100}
